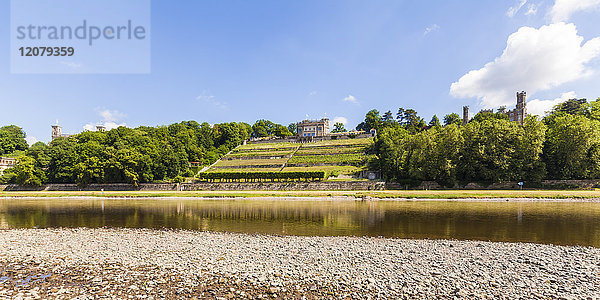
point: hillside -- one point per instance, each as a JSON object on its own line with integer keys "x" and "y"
{"x": 334, "y": 157}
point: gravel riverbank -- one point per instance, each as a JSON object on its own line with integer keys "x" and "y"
{"x": 118, "y": 263}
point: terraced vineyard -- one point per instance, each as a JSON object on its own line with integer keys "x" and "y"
{"x": 334, "y": 157}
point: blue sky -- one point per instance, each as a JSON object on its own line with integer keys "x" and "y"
{"x": 219, "y": 61}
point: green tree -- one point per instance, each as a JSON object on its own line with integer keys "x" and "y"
{"x": 265, "y": 128}
{"x": 388, "y": 116}
{"x": 400, "y": 115}
{"x": 592, "y": 110}
{"x": 262, "y": 128}
{"x": 293, "y": 128}
{"x": 435, "y": 122}
{"x": 372, "y": 121}
{"x": 572, "y": 148}
{"x": 434, "y": 154}
{"x": 497, "y": 150}
{"x": 63, "y": 158}
{"x": 230, "y": 135}
{"x": 570, "y": 107}
{"x": 484, "y": 115}
{"x": 27, "y": 173}
{"x": 12, "y": 138}
{"x": 245, "y": 130}
{"x": 530, "y": 150}
{"x": 410, "y": 120}
{"x": 39, "y": 152}
{"x": 392, "y": 145}
{"x": 452, "y": 118}
{"x": 338, "y": 127}
{"x": 281, "y": 131}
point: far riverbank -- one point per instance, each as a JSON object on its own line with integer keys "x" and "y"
{"x": 396, "y": 195}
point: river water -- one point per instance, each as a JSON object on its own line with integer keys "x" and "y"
{"x": 548, "y": 223}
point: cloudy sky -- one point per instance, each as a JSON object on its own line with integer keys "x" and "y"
{"x": 219, "y": 61}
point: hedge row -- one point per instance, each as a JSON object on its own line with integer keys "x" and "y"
{"x": 348, "y": 158}
{"x": 258, "y": 176}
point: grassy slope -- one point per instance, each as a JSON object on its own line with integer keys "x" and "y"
{"x": 447, "y": 194}
{"x": 266, "y": 146}
{"x": 261, "y": 153}
{"x": 343, "y": 152}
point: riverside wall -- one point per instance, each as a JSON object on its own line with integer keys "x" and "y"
{"x": 304, "y": 186}
{"x": 206, "y": 186}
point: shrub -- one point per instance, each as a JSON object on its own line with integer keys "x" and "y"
{"x": 261, "y": 176}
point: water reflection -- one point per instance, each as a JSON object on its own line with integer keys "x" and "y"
{"x": 556, "y": 223}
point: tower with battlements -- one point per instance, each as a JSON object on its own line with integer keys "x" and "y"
{"x": 465, "y": 115}
{"x": 56, "y": 131}
{"x": 520, "y": 112}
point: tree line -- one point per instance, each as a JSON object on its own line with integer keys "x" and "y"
{"x": 565, "y": 144}
{"x": 126, "y": 155}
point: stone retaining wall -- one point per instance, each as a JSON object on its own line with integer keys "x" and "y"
{"x": 205, "y": 186}
{"x": 289, "y": 186}
{"x": 545, "y": 184}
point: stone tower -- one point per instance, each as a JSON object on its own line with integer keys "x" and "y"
{"x": 465, "y": 115}
{"x": 521, "y": 108}
{"x": 56, "y": 131}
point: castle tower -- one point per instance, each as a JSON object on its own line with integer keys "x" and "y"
{"x": 100, "y": 128}
{"x": 521, "y": 108}
{"x": 56, "y": 131}
{"x": 465, "y": 115}
{"x": 521, "y": 98}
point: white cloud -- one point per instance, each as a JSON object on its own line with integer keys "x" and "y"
{"x": 111, "y": 115}
{"x": 351, "y": 99}
{"x": 110, "y": 119}
{"x": 531, "y": 10}
{"x": 342, "y": 120}
{"x": 534, "y": 60}
{"x": 563, "y": 9}
{"x": 313, "y": 93}
{"x": 431, "y": 28}
{"x": 513, "y": 10}
{"x": 31, "y": 140}
{"x": 209, "y": 99}
{"x": 540, "y": 107}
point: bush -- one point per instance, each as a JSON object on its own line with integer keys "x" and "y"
{"x": 344, "y": 158}
{"x": 260, "y": 176}
{"x": 8, "y": 177}
{"x": 190, "y": 172}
